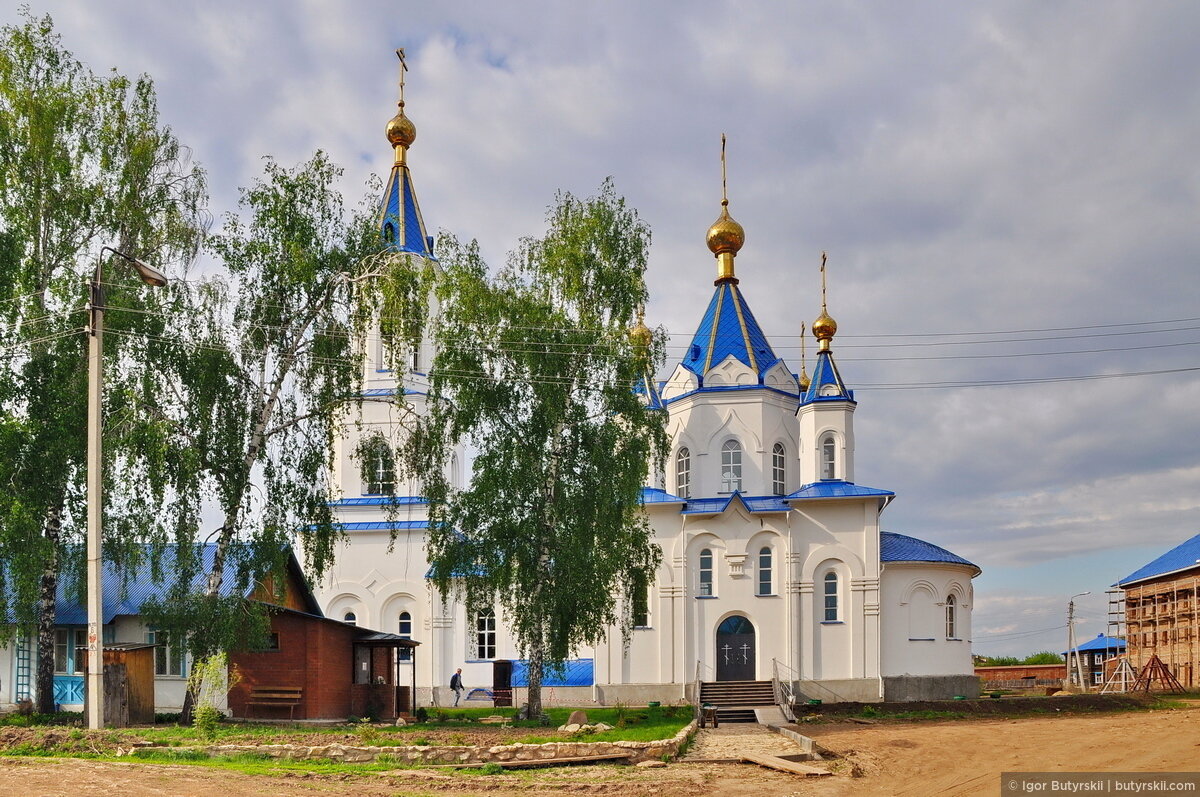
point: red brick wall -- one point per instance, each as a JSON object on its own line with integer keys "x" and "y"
{"x": 1018, "y": 671}
{"x": 313, "y": 654}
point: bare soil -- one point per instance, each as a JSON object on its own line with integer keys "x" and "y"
{"x": 953, "y": 758}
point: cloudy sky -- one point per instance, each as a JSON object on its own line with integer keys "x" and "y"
{"x": 1008, "y": 193}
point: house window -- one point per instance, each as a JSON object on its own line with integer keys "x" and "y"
{"x": 640, "y": 597}
{"x": 405, "y": 632}
{"x": 485, "y": 634}
{"x": 168, "y": 655}
{"x": 778, "y": 472}
{"x": 416, "y": 358}
{"x": 378, "y": 466}
{"x": 831, "y": 597}
{"x": 683, "y": 473}
{"x": 731, "y": 467}
{"x": 69, "y": 647}
{"x": 764, "y": 571}
{"x": 706, "y": 572}
{"x": 350, "y": 618}
{"x": 951, "y": 618}
{"x": 829, "y": 458}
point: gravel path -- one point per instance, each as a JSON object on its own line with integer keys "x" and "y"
{"x": 731, "y": 740}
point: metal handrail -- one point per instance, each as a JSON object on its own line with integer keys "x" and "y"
{"x": 785, "y": 693}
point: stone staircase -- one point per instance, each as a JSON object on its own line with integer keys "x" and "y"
{"x": 736, "y": 701}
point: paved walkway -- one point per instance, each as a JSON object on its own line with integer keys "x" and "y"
{"x": 733, "y": 739}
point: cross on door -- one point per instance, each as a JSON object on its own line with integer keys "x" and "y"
{"x": 745, "y": 653}
{"x": 727, "y": 648}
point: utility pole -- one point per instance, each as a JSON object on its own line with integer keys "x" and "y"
{"x": 1072, "y": 648}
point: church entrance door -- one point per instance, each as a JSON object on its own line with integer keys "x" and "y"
{"x": 735, "y": 649}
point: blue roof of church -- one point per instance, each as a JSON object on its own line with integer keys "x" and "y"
{"x": 728, "y": 328}
{"x": 1184, "y": 556}
{"x": 650, "y": 389}
{"x": 653, "y": 495}
{"x": 903, "y": 548}
{"x": 826, "y": 373}
{"x": 836, "y": 488}
{"x": 400, "y": 210}
{"x": 1100, "y": 642}
{"x": 753, "y": 503}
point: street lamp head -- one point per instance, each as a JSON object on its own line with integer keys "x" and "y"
{"x": 146, "y": 273}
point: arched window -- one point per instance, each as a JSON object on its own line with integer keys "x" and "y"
{"x": 705, "y": 584}
{"x": 485, "y": 634}
{"x": 764, "y": 571}
{"x": 778, "y": 472}
{"x": 378, "y": 466}
{"x": 640, "y": 599}
{"x": 731, "y": 467}
{"x": 829, "y": 457}
{"x": 404, "y": 629}
{"x": 683, "y": 473}
{"x": 350, "y": 618}
{"x": 831, "y": 597}
{"x": 951, "y": 619}
{"x": 455, "y": 484}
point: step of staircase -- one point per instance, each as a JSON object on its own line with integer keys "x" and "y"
{"x": 737, "y": 693}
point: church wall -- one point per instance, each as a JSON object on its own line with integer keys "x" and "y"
{"x": 913, "y": 607}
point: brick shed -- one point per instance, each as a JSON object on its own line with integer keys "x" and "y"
{"x": 334, "y": 669}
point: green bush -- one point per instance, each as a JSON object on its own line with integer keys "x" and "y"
{"x": 491, "y": 768}
{"x": 205, "y": 719}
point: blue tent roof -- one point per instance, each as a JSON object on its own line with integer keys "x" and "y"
{"x": 836, "y": 488}
{"x": 729, "y": 328}
{"x": 1184, "y": 556}
{"x": 902, "y": 548}
{"x": 825, "y": 374}
{"x": 1100, "y": 642}
{"x": 385, "y": 525}
{"x": 400, "y": 224}
{"x": 648, "y": 388}
{"x": 753, "y": 503}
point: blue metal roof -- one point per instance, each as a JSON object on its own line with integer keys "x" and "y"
{"x": 574, "y": 672}
{"x": 1184, "y": 556}
{"x": 729, "y": 328}
{"x": 381, "y": 500}
{"x": 836, "y": 488}
{"x": 753, "y": 503}
{"x": 125, "y": 592}
{"x": 824, "y": 374}
{"x": 653, "y": 495}
{"x": 385, "y": 525}
{"x": 1101, "y": 642}
{"x": 902, "y": 548}
{"x": 400, "y": 224}
{"x": 646, "y": 387}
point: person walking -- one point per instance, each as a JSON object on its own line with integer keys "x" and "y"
{"x": 456, "y": 685}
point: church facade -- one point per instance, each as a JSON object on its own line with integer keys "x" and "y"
{"x": 774, "y": 560}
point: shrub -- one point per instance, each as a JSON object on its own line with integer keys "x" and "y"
{"x": 491, "y": 768}
{"x": 421, "y": 714}
{"x": 205, "y": 719}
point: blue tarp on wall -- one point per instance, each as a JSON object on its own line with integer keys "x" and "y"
{"x": 576, "y": 672}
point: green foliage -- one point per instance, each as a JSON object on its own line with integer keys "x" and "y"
{"x": 1043, "y": 657}
{"x": 491, "y": 768}
{"x": 1001, "y": 661}
{"x": 421, "y": 714}
{"x": 206, "y": 719}
{"x": 536, "y": 368}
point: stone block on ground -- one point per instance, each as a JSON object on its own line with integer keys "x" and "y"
{"x": 577, "y": 717}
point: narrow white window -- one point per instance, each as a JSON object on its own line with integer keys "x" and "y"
{"x": 485, "y": 634}
{"x": 706, "y": 572}
{"x": 731, "y": 467}
{"x": 683, "y": 473}
{"x": 831, "y": 597}
{"x": 829, "y": 458}
{"x": 405, "y": 631}
{"x": 951, "y": 619}
{"x": 764, "y": 572}
{"x": 350, "y": 618}
{"x": 778, "y": 469}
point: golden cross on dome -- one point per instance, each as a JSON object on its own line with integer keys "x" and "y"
{"x": 724, "y": 193}
{"x": 822, "y": 282}
{"x": 403, "y": 69}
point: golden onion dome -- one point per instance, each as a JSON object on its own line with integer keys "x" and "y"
{"x": 824, "y": 328}
{"x": 725, "y": 235}
{"x": 401, "y": 132}
{"x": 640, "y": 335}
{"x": 805, "y": 380}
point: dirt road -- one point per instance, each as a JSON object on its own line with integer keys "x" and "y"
{"x": 951, "y": 758}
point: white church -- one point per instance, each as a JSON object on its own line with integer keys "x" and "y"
{"x": 774, "y": 560}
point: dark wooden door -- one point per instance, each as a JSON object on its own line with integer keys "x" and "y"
{"x": 735, "y": 649}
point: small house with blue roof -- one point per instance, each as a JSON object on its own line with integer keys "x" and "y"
{"x": 775, "y": 560}
{"x": 1097, "y": 657}
{"x": 1162, "y": 607}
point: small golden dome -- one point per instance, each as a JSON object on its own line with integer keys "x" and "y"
{"x": 824, "y": 328}
{"x": 725, "y": 235}
{"x": 641, "y": 335}
{"x": 805, "y": 380}
{"x": 401, "y": 132}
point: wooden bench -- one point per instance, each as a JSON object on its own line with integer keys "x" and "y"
{"x": 278, "y": 696}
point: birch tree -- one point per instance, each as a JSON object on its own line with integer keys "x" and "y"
{"x": 536, "y": 368}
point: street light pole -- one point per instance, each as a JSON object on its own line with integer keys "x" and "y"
{"x": 95, "y": 482}
{"x": 1072, "y": 648}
